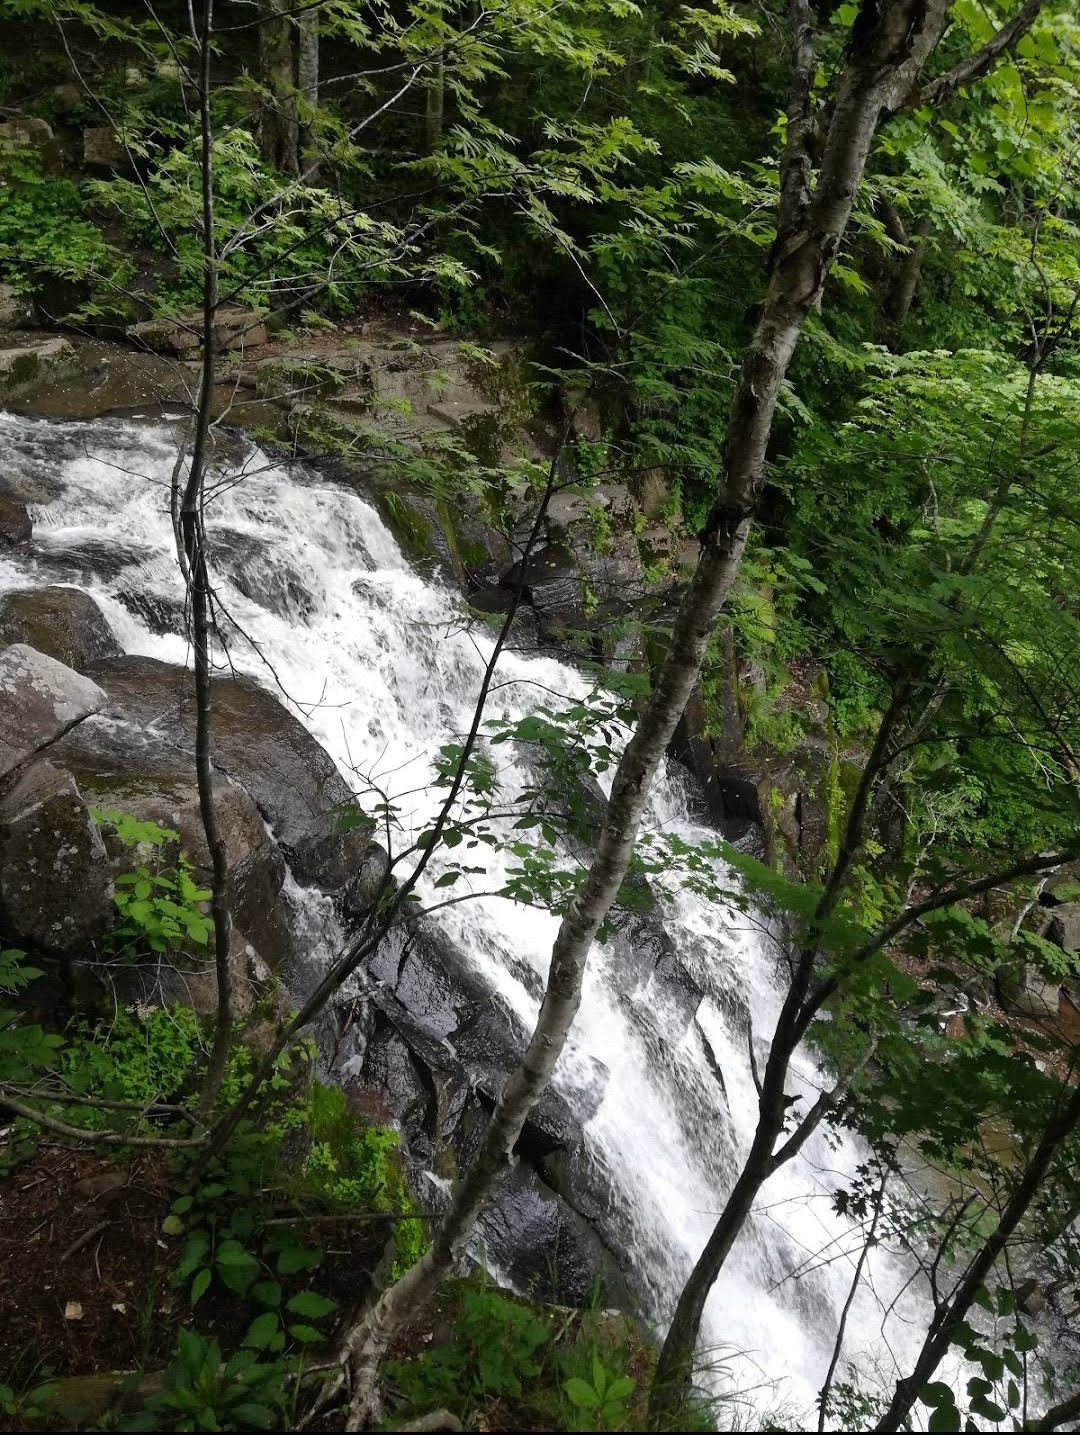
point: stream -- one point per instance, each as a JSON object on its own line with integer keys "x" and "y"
{"x": 382, "y": 665}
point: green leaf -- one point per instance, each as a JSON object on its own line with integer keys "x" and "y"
{"x": 311, "y": 1304}
{"x": 936, "y": 1393}
{"x": 945, "y": 1418}
{"x": 200, "y": 1284}
{"x": 262, "y": 1330}
{"x": 580, "y": 1393}
{"x": 232, "y": 1255}
{"x": 297, "y": 1258}
{"x": 306, "y": 1333}
{"x": 248, "y": 1412}
{"x": 172, "y": 1226}
{"x": 267, "y": 1292}
{"x": 987, "y": 1409}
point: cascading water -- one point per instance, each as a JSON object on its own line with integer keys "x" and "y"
{"x": 382, "y": 666}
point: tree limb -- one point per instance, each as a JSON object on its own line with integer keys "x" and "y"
{"x": 940, "y": 91}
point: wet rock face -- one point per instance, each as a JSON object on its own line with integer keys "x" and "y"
{"x": 55, "y": 876}
{"x": 261, "y": 746}
{"x": 64, "y": 623}
{"x": 39, "y": 700}
{"x": 548, "y": 1249}
{"x": 16, "y": 526}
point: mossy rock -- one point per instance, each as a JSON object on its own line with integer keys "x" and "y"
{"x": 408, "y": 524}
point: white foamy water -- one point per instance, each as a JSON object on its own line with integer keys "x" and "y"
{"x": 382, "y": 666}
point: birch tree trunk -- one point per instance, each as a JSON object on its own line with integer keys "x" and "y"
{"x": 279, "y": 132}
{"x": 307, "y": 83}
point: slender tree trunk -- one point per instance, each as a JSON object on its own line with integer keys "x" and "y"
{"x": 947, "y": 1321}
{"x": 806, "y": 245}
{"x": 307, "y": 83}
{"x": 905, "y": 284}
{"x": 279, "y": 129}
{"x": 434, "y": 103}
{"x": 889, "y": 44}
{"x": 198, "y": 586}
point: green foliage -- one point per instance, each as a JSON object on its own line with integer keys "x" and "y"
{"x": 494, "y": 1354}
{"x": 26, "y": 1048}
{"x": 146, "y": 1057}
{"x": 159, "y": 905}
{"x": 601, "y": 1401}
{"x": 44, "y": 229}
{"x": 201, "y": 1390}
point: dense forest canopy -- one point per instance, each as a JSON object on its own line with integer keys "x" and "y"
{"x": 763, "y": 319}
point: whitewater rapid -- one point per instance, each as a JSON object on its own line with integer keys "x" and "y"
{"x": 382, "y": 666}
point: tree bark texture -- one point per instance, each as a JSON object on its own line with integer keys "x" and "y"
{"x": 307, "y": 83}
{"x": 279, "y": 124}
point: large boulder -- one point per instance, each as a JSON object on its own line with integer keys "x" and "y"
{"x": 64, "y": 623}
{"x": 55, "y": 876}
{"x": 141, "y": 773}
{"x": 234, "y": 328}
{"x": 103, "y": 149}
{"x": 16, "y": 310}
{"x": 31, "y": 364}
{"x": 1025, "y": 990}
{"x": 30, "y": 132}
{"x": 1064, "y": 926}
{"x": 446, "y": 1014}
{"x": 260, "y": 745}
{"x": 40, "y": 700}
{"x": 547, "y": 1249}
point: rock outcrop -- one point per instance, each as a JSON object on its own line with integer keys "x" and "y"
{"x": 262, "y": 747}
{"x": 40, "y": 700}
{"x": 234, "y": 328}
{"x": 63, "y": 622}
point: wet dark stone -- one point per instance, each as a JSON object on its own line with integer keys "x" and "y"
{"x": 270, "y": 753}
{"x": 65, "y": 623}
{"x": 547, "y": 1249}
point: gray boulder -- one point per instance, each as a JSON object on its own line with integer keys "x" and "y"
{"x": 234, "y": 328}
{"x": 103, "y": 149}
{"x": 261, "y": 746}
{"x": 1027, "y": 992}
{"x": 30, "y": 132}
{"x": 547, "y": 1249}
{"x": 142, "y": 774}
{"x": 16, "y": 310}
{"x": 55, "y": 876}
{"x": 64, "y": 623}
{"x": 1064, "y": 926}
{"x": 40, "y": 700}
{"x": 34, "y": 363}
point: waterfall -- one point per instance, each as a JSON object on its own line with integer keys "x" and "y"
{"x": 382, "y": 666}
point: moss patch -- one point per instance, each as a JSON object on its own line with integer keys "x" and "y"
{"x": 410, "y": 528}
